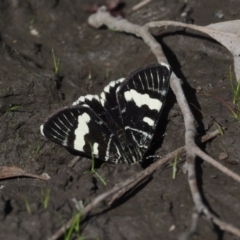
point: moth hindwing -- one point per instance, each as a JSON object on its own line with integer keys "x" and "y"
{"x": 120, "y": 124}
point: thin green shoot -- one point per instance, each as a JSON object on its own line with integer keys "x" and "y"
{"x": 219, "y": 128}
{"x": 174, "y": 166}
{"x": 13, "y": 108}
{"x": 112, "y": 29}
{"x": 45, "y": 197}
{"x": 27, "y": 204}
{"x": 235, "y": 112}
{"x": 235, "y": 88}
{"x": 93, "y": 171}
{"x": 107, "y": 73}
{"x": 102, "y": 165}
{"x": 56, "y": 62}
{"x": 75, "y": 227}
{"x": 33, "y": 20}
{"x": 38, "y": 148}
{"x": 236, "y": 96}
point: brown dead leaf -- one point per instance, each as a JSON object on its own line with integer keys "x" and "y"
{"x": 11, "y": 172}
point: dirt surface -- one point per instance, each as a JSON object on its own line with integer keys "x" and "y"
{"x": 89, "y": 59}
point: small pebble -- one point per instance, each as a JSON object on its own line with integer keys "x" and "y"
{"x": 172, "y": 228}
{"x": 219, "y": 14}
{"x": 223, "y": 156}
{"x": 198, "y": 88}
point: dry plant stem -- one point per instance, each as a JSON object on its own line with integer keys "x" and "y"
{"x": 193, "y": 228}
{"x": 123, "y": 187}
{"x": 37, "y": 177}
{"x": 140, "y": 5}
{"x": 216, "y": 164}
{"x": 73, "y": 162}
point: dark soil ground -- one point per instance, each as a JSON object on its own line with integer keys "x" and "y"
{"x": 89, "y": 59}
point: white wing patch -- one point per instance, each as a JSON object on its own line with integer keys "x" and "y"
{"x": 83, "y": 98}
{"x": 107, "y": 89}
{"x": 81, "y": 131}
{"x": 143, "y": 99}
{"x": 149, "y": 121}
{"x": 112, "y": 84}
{"x": 95, "y": 148}
{"x": 166, "y": 65}
{"x": 41, "y": 130}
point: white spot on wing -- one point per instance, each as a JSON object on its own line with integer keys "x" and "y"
{"x": 163, "y": 79}
{"x": 95, "y": 148}
{"x": 163, "y": 92}
{"x": 120, "y": 80}
{"x": 83, "y": 99}
{"x": 103, "y": 96}
{"x": 118, "y": 89}
{"x": 41, "y": 130}
{"x": 81, "y": 131}
{"x": 106, "y": 89}
{"x": 149, "y": 121}
{"x": 165, "y": 65}
{"x": 142, "y": 99}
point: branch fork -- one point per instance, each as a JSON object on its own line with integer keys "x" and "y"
{"x": 102, "y": 17}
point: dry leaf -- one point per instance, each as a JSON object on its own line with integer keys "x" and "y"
{"x": 227, "y": 33}
{"x": 10, "y": 172}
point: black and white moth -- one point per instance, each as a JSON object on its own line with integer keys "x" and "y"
{"x": 119, "y": 125}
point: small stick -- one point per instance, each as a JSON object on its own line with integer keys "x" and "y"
{"x": 140, "y": 5}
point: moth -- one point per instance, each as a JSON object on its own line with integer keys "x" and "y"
{"x": 117, "y": 126}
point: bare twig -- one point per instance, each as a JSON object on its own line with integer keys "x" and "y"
{"x": 140, "y": 5}
{"x": 74, "y": 161}
{"x": 193, "y": 228}
{"x": 216, "y": 164}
